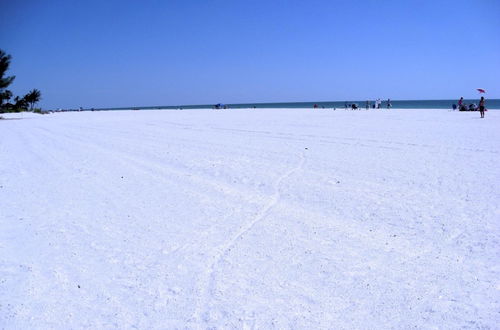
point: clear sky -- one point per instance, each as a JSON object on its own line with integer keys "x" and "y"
{"x": 138, "y": 53}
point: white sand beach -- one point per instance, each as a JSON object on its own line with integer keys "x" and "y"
{"x": 269, "y": 218}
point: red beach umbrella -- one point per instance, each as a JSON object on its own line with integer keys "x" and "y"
{"x": 480, "y": 90}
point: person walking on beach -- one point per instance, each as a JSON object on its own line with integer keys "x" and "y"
{"x": 389, "y": 104}
{"x": 481, "y": 106}
{"x": 460, "y": 103}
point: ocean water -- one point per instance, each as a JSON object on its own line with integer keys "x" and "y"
{"x": 398, "y": 104}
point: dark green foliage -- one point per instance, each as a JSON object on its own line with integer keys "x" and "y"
{"x": 33, "y": 97}
{"x": 4, "y": 66}
{"x": 20, "y": 104}
{"x": 5, "y": 96}
{"x": 9, "y": 107}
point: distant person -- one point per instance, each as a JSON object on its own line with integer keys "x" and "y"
{"x": 367, "y": 105}
{"x": 345, "y": 105}
{"x": 379, "y": 103}
{"x": 389, "y": 104}
{"x": 481, "y": 106}
{"x": 461, "y": 104}
{"x": 315, "y": 106}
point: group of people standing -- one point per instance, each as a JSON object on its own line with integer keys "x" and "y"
{"x": 472, "y": 107}
{"x": 378, "y": 104}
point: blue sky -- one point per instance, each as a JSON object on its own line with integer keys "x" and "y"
{"x": 138, "y": 53}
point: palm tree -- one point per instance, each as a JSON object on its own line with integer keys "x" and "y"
{"x": 33, "y": 97}
{"x": 20, "y": 103}
{"x": 30, "y": 99}
{"x": 4, "y": 81}
{"x": 5, "y": 96}
{"x": 4, "y": 66}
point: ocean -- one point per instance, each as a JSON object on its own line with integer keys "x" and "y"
{"x": 398, "y": 104}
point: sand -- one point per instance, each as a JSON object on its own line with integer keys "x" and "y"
{"x": 272, "y": 218}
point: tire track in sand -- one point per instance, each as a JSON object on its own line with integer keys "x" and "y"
{"x": 208, "y": 278}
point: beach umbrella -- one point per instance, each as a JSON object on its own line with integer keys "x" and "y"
{"x": 480, "y": 90}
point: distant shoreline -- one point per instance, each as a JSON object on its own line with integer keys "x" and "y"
{"x": 491, "y": 104}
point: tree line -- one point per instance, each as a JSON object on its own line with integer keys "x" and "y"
{"x": 25, "y": 103}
